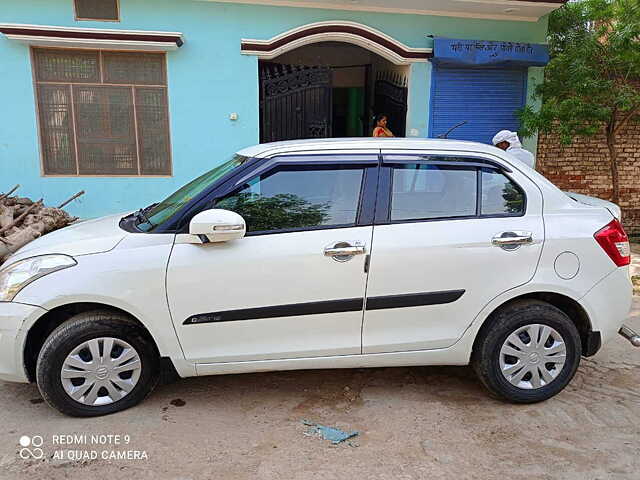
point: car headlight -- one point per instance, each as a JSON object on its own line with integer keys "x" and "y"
{"x": 18, "y": 275}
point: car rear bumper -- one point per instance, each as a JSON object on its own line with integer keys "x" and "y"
{"x": 13, "y": 319}
{"x": 608, "y": 303}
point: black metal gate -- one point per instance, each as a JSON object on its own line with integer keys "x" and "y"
{"x": 390, "y": 98}
{"x": 295, "y": 102}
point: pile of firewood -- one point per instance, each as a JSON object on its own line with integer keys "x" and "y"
{"x": 23, "y": 220}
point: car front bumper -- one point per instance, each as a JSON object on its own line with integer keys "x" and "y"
{"x": 14, "y": 319}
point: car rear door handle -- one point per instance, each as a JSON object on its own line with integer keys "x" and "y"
{"x": 508, "y": 239}
{"x": 343, "y": 251}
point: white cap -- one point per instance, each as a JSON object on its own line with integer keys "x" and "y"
{"x": 505, "y": 136}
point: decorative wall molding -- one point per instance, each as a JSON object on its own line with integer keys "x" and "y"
{"x": 53, "y": 36}
{"x": 513, "y": 10}
{"x": 336, "y": 31}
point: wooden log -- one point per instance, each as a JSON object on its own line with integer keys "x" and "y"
{"x": 80, "y": 193}
{"x": 47, "y": 219}
{"x": 4, "y": 252}
{"x": 6, "y": 215}
{"x": 5, "y": 195}
{"x": 22, "y": 220}
{"x": 17, "y": 240}
{"x": 19, "y": 218}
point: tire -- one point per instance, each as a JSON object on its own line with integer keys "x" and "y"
{"x": 129, "y": 380}
{"x": 492, "y": 348}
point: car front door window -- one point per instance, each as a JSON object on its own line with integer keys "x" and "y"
{"x": 299, "y": 198}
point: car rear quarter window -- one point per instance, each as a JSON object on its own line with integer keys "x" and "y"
{"x": 424, "y": 191}
{"x": 298, "y": 198}
{"x": 500, "y": 195}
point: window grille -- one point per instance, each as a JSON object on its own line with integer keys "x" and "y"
{"x": 134, "y": 68}
{"x": 102, "y": 113}
{"x": 97, "y": 10}
{"x": 67, "y": 66}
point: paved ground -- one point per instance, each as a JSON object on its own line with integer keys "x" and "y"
{"x": 415, "y": 423}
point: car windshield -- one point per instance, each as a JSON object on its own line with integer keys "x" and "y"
{"x": 154, "y": 215}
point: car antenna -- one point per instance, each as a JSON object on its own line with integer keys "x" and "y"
{"x": 444, "y": 135}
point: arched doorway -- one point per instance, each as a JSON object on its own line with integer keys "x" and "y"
{"x": 330, "y": 89}
{"x": 329, "y": 79}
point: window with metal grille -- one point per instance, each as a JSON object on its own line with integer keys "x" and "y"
{"x": 97, "y": 10}
{"x": 102, "y": 113}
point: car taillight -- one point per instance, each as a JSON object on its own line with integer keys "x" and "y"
{"x": 613, "y": 240}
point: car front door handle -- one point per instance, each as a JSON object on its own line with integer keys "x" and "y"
{"x": 510, "y": 239}
{"x": 333, "y": 252}
{"x": 343, "y": 251}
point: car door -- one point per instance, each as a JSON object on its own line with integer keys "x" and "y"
{"x": 452, "y": 231}
{"x": 294, "y": 285}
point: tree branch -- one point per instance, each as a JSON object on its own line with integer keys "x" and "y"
{"x": 81, "y": 192}
{"x": 626, "y": 118}
{"x": 6, "y": 195}
{"x": 611, "y": 124}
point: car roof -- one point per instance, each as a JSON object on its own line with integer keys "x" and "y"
{"x": 553, "y": 195}
{"x": 359, "y": 143}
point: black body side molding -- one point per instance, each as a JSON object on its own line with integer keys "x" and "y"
{"x": 330, "y": 306}
{"x": 413, "y": 299}
{"x": 290, "y": 310}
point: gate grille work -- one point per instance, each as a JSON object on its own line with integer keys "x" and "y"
{"x": 295, "y": 102}
{"x": 391, "y": 94}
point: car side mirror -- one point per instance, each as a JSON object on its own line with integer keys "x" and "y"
{"x": 218, "y": 225}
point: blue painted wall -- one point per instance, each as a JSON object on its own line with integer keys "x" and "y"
{"x": 208, "y": 79}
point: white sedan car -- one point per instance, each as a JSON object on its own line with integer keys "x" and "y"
{"x": 322, "y": 254}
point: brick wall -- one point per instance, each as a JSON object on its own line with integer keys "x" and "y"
{"x": 583, "y": 167}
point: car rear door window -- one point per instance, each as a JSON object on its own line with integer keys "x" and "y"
{"x": 425, "y": 191}
{"x": 298, "y": 198}
{"x": 500, "y": 195}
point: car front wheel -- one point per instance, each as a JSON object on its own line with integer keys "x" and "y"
{"x": 528, "y": 352}
{"x": 96, "y": 363}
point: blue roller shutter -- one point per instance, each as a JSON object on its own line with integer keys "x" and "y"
{"x": 487, "y": 98}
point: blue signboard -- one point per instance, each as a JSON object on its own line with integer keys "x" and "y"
{"x": 451, "y": 51}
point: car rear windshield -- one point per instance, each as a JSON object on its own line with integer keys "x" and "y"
{"x": 167, "y": 208}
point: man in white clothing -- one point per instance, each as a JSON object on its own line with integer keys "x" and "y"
{"x": 509, "y": 142}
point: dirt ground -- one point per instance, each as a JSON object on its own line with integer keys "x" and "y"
{"x": 414, "y": 423}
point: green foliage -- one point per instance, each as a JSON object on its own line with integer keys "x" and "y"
{"x": 513, "y": 198}
{"x": 592, "y": 83}
{"x": 282, "y": 211}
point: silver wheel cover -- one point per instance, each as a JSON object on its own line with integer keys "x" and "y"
{"x": 101, "y": 371}
{"x": 532, "y": 356}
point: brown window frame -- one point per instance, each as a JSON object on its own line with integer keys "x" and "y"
{"x": 87, "y": 19}
{"x": 133, "y": 87}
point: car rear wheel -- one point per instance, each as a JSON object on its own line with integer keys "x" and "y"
{"x": 97, "y": 363}
{"x": 528, "y": 352}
